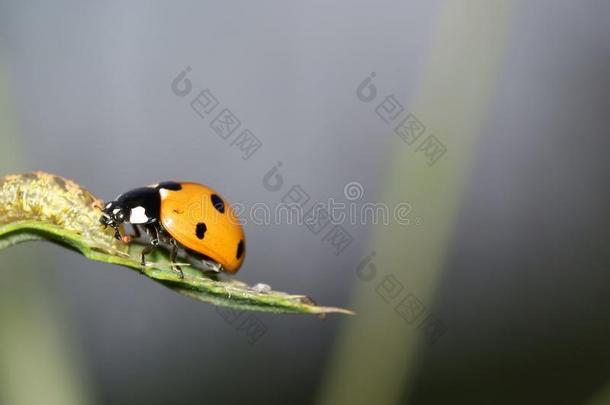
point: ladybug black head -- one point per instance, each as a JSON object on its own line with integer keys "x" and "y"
{"x": 113, "y": 215}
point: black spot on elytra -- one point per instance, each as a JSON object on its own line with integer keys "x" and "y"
{"x": 240, "y": 249}
{"x": 218, "y": 203}
{"x": 200, "y": 230}
{"x": 169, "y": 185}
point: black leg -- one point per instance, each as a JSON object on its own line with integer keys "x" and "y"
{"x": 173, "y": 255}
{"x": 154, "y": 242}
{"x": 136, "y": 231}
{"x": 130, "y": 238}
{"x": 117, "y": 234}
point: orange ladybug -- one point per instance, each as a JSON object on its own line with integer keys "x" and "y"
{"x": 187, "y": 215}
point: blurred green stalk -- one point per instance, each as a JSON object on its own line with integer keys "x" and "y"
{"x": 375, "y": 353}
{"x": 38, "y": 364}
{"x": 602, "y": 397}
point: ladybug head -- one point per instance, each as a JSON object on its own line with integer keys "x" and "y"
{"x": 113, "y": 215}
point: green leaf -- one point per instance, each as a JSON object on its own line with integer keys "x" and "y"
{"x": 39, "y": 205}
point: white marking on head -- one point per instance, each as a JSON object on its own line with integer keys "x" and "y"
{"x": 108, "y": 205}
{"x": 138, "y": 216}
{"x": 114, "y": 211}
{"x": 163, "y": 193}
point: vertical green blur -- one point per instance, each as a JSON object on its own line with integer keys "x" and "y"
{"x": 376, "y": 351}
{"x": 602, "y": 397}
{"x": 37, "y": 361}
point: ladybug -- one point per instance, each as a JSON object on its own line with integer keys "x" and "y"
{"x": 183, "y": 215}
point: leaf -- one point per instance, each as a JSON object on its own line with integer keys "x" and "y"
{"x": 39, "y": 205}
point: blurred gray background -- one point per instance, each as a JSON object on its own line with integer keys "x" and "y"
{"x": 522, "y": 286}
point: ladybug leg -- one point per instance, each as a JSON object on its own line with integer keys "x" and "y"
{"x": 154, "y": 242}
{"x": 173, "y": 255}
{"x": 117, "y": 234}
{"x": 130, "y": 238}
